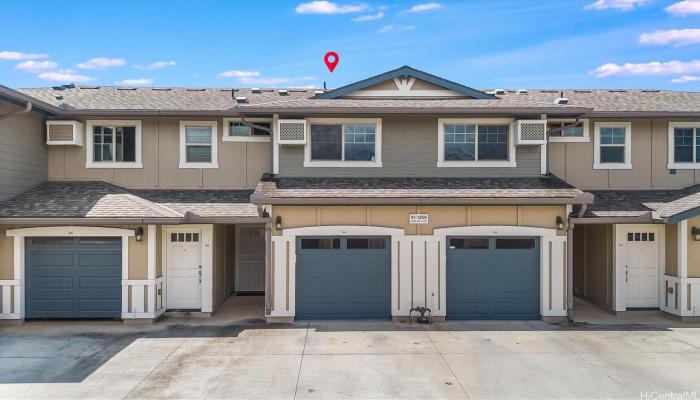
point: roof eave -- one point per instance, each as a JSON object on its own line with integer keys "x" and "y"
{"x": 21, "y": 99}
{"x": 53, "y": 221}
{"x": 419, "y": 110}
{"x": 538, "y": 201}
{"x": 644, "y": 114}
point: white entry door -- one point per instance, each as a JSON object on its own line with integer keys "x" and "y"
{"x": 184, "y": 271}
{"x": 642, "y": 268}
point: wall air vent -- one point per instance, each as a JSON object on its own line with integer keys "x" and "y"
{"x": 531, "y": 131}
{"x": 291, "y": 131}
{"x": 66, "y": 133}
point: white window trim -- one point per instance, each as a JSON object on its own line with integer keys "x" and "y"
{"x": 90, "y": 144}
{"x": 509, "y": 163}
{"x": 214, "y": 145}
{"x": 256, "y": 139}
{"x": 308, "y": 162}
{"x": 672, "y": 164}
{"x": 572, "y": 139}
{"x": 628, "y": 146}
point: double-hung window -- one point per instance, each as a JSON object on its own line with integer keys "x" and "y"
{"x": 198, "y": 144}
{"x": 613, "y": 145}
{"x": 344, "y": 143}
{"x": 475, "y": 143}
{"x": 113, "y": 144}
{"x": 684, "y": 145}
{"x": 254, "y": 130}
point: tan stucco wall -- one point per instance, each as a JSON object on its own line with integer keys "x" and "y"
{"x": 6, "y": 254}
{"x": 593, "y": 263}
{"x": 693, "y": 250}
{"x": 241, "y": 164}
{"x": 573, "y": 162}
{"x": 397, "y": 216}
{"x": 671, "y": 250}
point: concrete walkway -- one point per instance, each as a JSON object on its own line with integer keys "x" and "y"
{"x": 333, "y": 360}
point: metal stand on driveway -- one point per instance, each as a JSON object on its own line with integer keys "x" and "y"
{"x": 422, "y": 318}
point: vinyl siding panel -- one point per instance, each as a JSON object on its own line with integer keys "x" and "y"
{"x": 23, "y": 153}
{"x": 409, "y": 148}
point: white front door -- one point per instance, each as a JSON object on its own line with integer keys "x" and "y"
{"x": 642, "y": 268}
{"x": 184, "y": 271}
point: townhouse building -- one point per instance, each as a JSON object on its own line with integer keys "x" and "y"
{"x": 398, "y": 191}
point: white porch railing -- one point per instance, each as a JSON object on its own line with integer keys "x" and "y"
{"x": 682, "y": 296}
{"x": 142, "y": 298}
{"x": 10, "y": 299}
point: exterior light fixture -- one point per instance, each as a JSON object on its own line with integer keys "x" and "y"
{"x": 278, "y": 223}
{"x": 695, "y": 231}
{"x": 560, "y": 223}
{"x": 139, "y": 234}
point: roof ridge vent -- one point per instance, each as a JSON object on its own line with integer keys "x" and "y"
{"x": 283, "y": 92}
{"x": 521, "y": 91}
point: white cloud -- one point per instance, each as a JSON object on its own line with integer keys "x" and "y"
{"x": 686, "y": 78}
{"x": 255, "y": 78}
{"x": 369, "y": 17}
{"x": 136, "y": 82}
{"x": 102, "y": 63}
{"x": 64, "y": 75}
{"x": 622, "y": 5}
{"x": 239, "y": 74}
{"x": 675, "y": 37}
{"x": 328, "y": 7}
{"x": 684, "y": 8}
{"x": 36, "y": 66}
{"x": 157, "y": 65}
{"x": 424, "y": 7}
{"x": 16, "y": 56}
{"x": 395, "y": 28}
{"x": 651, "y": 68}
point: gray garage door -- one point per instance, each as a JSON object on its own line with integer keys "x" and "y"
{"x": 73, "y": 277}
{"x": 493, "y": 278}
{"x": 343, "y": 278}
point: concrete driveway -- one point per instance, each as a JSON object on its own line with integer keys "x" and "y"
{"x": 475, "y": 360}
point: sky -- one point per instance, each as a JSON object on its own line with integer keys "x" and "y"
{"x": 268, "y": 43}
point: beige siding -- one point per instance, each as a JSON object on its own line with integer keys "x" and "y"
{"x": 671, "y": 250}
{"x": 219, "y": 254}
{"x": 593, "y": 263}
{"x": 693, "y": 250}
{"x": 409, "y": 148}
{"x": 241, "y": 164}
{"x": 6, "y": 254}
{"x": 573, "y": 162}
{"x": 397, "y": 216}
{"x": 23, "y": 152}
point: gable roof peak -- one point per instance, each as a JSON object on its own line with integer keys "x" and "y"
{"x": 406, "y": 71}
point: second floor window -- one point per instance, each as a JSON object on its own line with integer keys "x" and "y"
{"x": 476, "y": 142}
{"x": 613, "y": 147}
{"x": 114, "y": 144}
{"x": 343, "y": 142}
{"x": 198, "y": 144}
{"x": 684, "y": 145}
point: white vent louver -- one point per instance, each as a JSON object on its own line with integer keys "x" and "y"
{"x": 531, "y": 131}
{"x": 66, "y": 133}
{"x": 291, "y": 131}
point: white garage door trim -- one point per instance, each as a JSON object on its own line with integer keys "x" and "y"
{"x": 56, "y": 231}
{"x": 620, "y": 284}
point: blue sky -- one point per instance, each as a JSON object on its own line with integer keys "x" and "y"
{"x": 480, "y": 43}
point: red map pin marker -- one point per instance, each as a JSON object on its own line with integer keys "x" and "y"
{"x": 331, "y": 59}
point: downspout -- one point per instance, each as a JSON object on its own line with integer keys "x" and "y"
{"x": 268, "y": 268}
{"x": 27, "y": 108}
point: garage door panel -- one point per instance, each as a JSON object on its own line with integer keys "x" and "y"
{"x": 497, "y": 280}
{"x": 73, "y": 277}
{"x": 346, "y": 282}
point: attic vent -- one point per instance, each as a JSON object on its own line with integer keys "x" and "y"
{"x": 319, "y": 92}
{"x": 64, "y": 133}
{"x": 582, "y": 91}
{"x": 256, "y": 90}
{"x": 161, "y": 89}
{"x": 617, "y": 91}
{"x": 291, "y": 131}
{"x": 499, "y": 91}
{"x": 531, "y": 131}
{"x": 241, "y": 99}
{"x": 522, "y": 91}
{"x": 561, "y": 100}
{"x": 283, "y": 92}
{"x": 58, "y": 96}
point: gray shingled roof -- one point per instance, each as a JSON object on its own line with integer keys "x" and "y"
{"x": 659, "y": 204}
{"x": 455, "y": 190}
{"x": 269, "y": 100}
{"x": 107, "y": 201}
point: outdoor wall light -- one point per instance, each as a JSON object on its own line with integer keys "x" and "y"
{"x": 139, "y": 234}
{"x": 560, "y": 223}
{"x": 278, "y": 223}
{"x": 695, "y": 231}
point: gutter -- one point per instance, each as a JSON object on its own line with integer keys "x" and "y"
{"x": 643, "y": 219}
{"x": 26, "y": 109}
{"x": 21, "y": 99}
